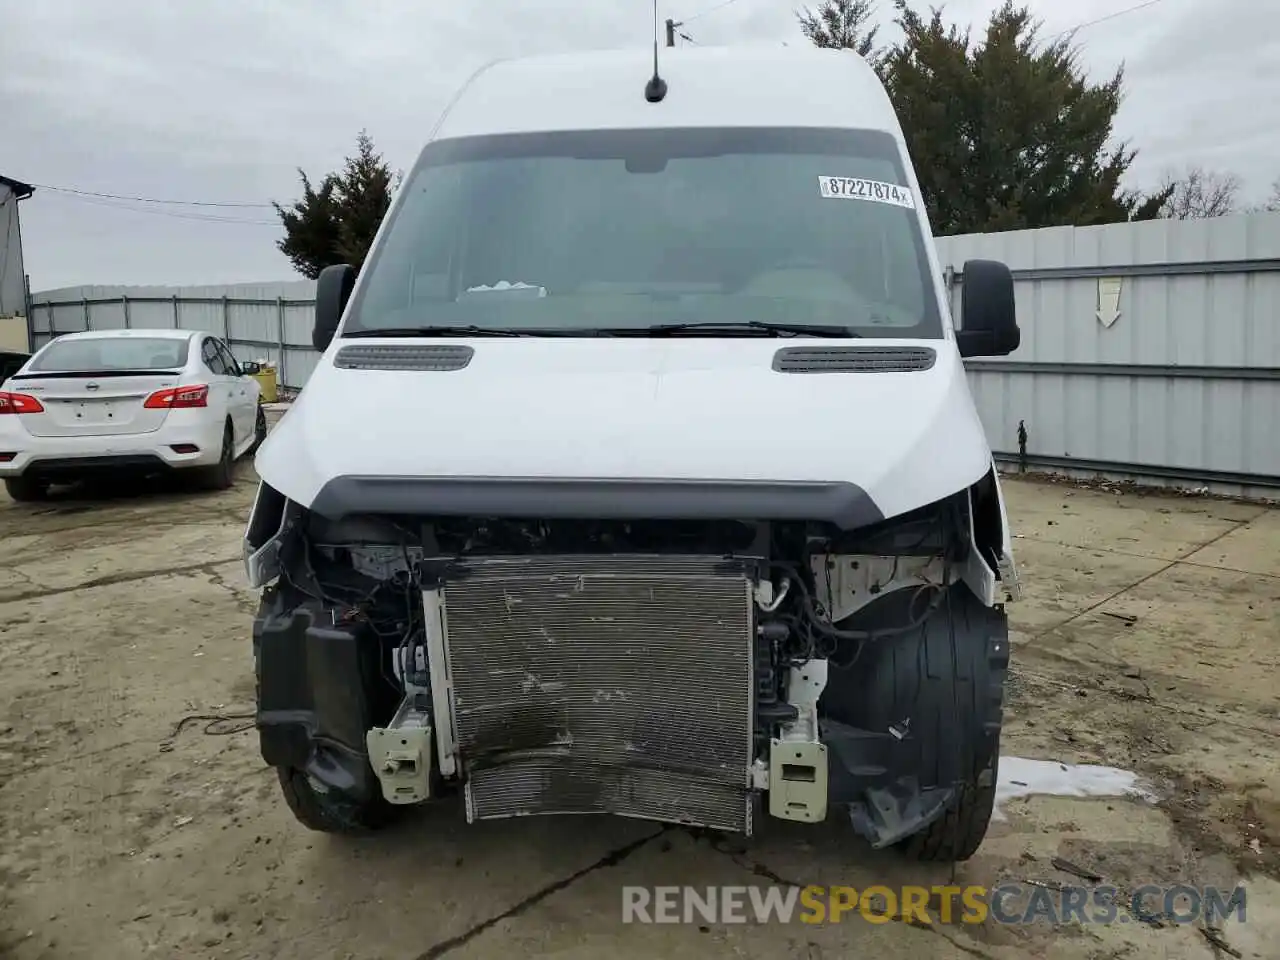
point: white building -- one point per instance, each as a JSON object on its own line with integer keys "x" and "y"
{"x": 13, "y": 277}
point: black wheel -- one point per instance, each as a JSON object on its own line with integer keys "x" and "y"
{"x": 259, "y": 430}
{"x": 26, "y": 489}
{"x": 945, "y": 684}
{"x": 330, "y": 812}
{"x": 222, "y": 474}
{"x": 961, "y": 830}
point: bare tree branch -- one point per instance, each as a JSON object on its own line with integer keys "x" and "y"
{"x": 1199, "y": 193}
{"x": 1272, "y": 203}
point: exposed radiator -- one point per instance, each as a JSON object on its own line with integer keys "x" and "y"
{"x": 604, "y": 684}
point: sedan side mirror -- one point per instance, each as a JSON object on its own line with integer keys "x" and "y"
{"x": 988, "y": 317}
{"x": 250, "y": 367}
{"x": 333, "y": 290}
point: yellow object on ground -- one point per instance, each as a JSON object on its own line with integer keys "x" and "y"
{"x": 266, "y": 378}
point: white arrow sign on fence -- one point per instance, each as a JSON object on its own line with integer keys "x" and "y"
{"x": 1108, "y": 300}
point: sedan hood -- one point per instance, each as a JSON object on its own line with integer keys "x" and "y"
{"x": 903, "y": 430}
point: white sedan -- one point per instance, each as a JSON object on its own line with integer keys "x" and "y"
{"x": 127, "y": 400}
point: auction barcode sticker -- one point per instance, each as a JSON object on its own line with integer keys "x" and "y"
{"x": 856, "y": 188}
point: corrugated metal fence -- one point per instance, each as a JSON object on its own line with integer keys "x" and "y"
{"x": 1149, "y": 349}
{"x": 265, "y": 321}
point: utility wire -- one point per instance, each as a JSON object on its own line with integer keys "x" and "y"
{"x": 1103, "y": 19}
{"x": 180, "y": 215}
{"x": 708, "y": 11}
{"x": 91, "y": 195}
{"x": 672, "y": 24}
{"x": 116, "y": 196}
{"x": 1062, "y": 33}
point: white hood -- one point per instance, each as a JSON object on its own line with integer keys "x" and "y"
{"x": 635, "y": 408}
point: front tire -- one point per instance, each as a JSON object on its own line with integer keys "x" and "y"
{"x": 26, "y": 489}
{"x": 946, "y": 680}
{"x": 979, "y": 663}
{"x": 328, "y": 811}
{"x": 961, "y": 830}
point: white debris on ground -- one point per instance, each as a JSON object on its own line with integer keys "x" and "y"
{"x": 1020, "y": 777}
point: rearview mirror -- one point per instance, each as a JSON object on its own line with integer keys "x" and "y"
{"x": 988, "y": 317}
{"x": 333, "y": 289}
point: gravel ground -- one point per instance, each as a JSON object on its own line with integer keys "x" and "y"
{"x": 1147, "y": 640}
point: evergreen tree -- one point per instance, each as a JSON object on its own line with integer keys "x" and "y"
{"x": 1005, "y": 133}
{"x": 336, "y": 222}
{"x": 842, "y": 24}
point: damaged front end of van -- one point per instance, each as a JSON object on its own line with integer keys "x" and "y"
{"x": 698, "y": 671}
{"x": 639, "y": 474}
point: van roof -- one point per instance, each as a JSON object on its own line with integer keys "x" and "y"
{"x": 748, "y": 86}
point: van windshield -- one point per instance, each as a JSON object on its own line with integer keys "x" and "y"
{"x": 627, "y": 230}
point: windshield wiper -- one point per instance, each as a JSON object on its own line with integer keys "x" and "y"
{"x": 759, "y": 328}
{"x": 437, "y": 331}
{"x": 471, "y": 330}
{"x": 741, "y": 328}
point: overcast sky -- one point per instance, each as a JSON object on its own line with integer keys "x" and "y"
{"x": 222, "y": 101}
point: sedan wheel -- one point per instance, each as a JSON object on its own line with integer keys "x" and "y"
{"x": 259, "y": 429}
{"x": 222, "y": 475}
{"x": 25, "y": 489}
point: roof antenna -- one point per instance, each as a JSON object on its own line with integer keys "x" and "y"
{"x": 656, "y": 89}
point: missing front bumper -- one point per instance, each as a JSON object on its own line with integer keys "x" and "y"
{"x": 616, "y": 684}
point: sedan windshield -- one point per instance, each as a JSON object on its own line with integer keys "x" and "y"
{"x": 616, "y": 231}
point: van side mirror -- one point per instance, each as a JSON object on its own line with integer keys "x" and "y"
{"x": 988, "y": 317}
{"x": 333, "y": 289}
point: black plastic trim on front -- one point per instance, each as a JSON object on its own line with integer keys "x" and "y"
{"x": 843, "y": 504}
{"x": 314, "y": 695}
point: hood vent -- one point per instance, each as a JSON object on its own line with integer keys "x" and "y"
{"x": 853, "y": 359}
{"x": 412, "y": 357}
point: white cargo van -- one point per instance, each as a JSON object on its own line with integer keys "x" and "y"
{"x": 639, "y": 474}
